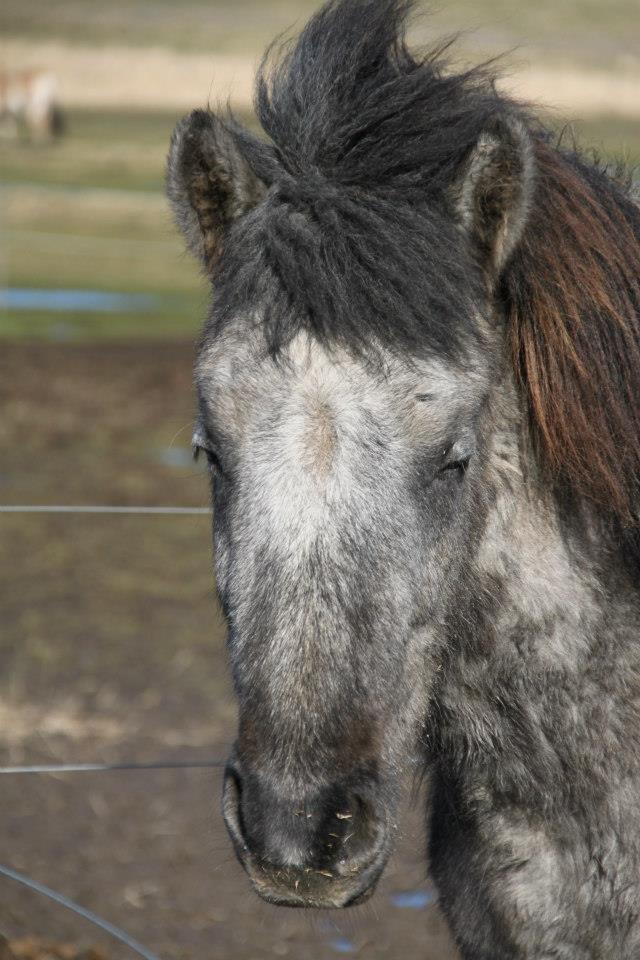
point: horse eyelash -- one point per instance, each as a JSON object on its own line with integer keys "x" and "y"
{"x": 212, "y": 458}
{"x": 460, "y": 465}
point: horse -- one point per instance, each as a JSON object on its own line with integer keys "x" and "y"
{"x": 417, "y": 389}
{"x": 28, "y": 102}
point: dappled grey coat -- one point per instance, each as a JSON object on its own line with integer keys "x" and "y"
{"x": 418, "y": 394}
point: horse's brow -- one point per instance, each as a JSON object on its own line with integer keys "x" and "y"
{"x": 210, "y": 417}
{"x": 210, "y": 427}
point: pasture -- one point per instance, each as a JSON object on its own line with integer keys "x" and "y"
{"x": 89, "y": 213}
{"x": 583, "y": 32}
{"x": 112, "y": 645}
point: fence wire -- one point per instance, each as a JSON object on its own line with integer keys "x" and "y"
{"x": 44, "y": 768}
{"x": 108, "y": 510}
{"x": 89, "y": 915}
{"x": 67, "y": 768}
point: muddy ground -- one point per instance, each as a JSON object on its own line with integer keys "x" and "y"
{"x": 112, "y": 649}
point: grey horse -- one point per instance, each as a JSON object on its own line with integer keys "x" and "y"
{"x": 418, "y": 392}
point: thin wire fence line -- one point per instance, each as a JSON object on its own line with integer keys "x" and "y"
{"x": 93, "y": 918}
{"x": 48, "y": 768}
{"x": 44, "y": 768}
{"x": 109, "y": 510}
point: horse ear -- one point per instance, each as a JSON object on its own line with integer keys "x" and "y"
{"x": 209, "y": 182}
{"x": 493, "y": 194}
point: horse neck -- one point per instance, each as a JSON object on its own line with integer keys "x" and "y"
{"x": 552, "y": 566}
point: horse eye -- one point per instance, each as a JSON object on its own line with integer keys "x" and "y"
{"x": 212, "y": 458}
{"x": 200, "y": 444}
{"x": 458, "y": 465}
{"x": 457, "y": 458}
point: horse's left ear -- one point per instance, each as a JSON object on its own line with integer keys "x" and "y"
{"x": 492, "y": 195}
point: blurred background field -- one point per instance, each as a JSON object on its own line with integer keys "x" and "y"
{"x": 111, "y": 646}
{"x": 582, "y": 31}
{"x": 88, "y": 212}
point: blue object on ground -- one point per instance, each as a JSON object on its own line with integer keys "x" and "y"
{"x": 412, "y": 899}
{"x": 176, "y": 457}
{"x": 342, "y": 945}
{"x": 68, "y": 301}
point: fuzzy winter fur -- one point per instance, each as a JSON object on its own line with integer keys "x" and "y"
{"x": 418, "y": 389}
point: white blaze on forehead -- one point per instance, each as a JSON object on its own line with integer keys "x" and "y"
{"x": 320, "y": 431}
{"x": 240, "y": 381}
{"x": 311, "y": 462}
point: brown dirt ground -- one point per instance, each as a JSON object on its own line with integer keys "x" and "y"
{"x": 111, "y": 648}
{"x": 32, "y": 948}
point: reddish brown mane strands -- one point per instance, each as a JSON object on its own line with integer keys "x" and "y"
{"x": 574, "y": 304}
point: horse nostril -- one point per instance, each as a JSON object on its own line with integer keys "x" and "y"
{"x": 231, "y": 807}
{"x": 335, "y": 832}
{"x": 232, "y": 786}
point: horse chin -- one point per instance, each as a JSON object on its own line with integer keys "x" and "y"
{"x": 311, "y": 888}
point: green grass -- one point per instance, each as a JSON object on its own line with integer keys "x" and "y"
{"x": 118, "y": 149}
{"x": 90, "y": 212}
{"x": 615, "y": 138}
{"x": 81, "y": 327}
{"x": 115, "y": 149}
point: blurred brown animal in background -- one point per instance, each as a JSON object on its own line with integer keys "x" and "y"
{"x": 28, "y": 105}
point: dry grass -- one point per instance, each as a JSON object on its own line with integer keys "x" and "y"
{"x": 589, "y": 32}
{"x": 164, "y": 79}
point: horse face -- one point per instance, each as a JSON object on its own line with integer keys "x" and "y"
{"x": 342, "y": 492}
{"x": 379, "y": 213}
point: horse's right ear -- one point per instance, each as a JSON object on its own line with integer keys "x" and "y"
{"x": 493, "y": 193}
{"x": 209, "y": 182}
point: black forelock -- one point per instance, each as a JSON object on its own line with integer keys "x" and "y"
{"x": 356, "y": 239}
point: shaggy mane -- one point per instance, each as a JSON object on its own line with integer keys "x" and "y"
{"x": 365, "y": 141}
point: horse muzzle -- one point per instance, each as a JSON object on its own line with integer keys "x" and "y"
{"x": 327, "y": 850}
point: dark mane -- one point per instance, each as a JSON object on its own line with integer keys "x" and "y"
{"x": 365, "y": 140}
